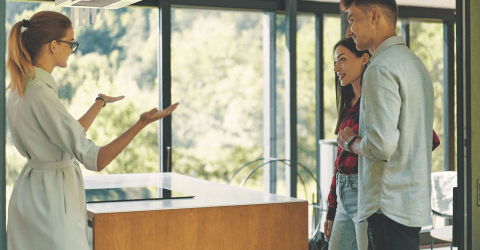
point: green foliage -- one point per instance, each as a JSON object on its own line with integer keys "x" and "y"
{"x": 219, "y": 164}
{"x": 332, "y": 36}
{"x": 217, "y": 78}
{"x": 306, "y": 90}
{"x": 425, "y": 38}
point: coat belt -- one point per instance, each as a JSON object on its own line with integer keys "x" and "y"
{"x": 51, "y": 165}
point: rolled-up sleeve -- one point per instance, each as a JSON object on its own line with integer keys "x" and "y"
{"x": 381, "y": 113}
{"x": 65, "y": 131}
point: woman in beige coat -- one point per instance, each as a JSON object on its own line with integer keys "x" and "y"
{"x": 47, "y": 208}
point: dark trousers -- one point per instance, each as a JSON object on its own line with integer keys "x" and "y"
{"x": 386, "y": 234}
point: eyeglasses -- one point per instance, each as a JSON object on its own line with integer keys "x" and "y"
{"x": 73, "y": 45}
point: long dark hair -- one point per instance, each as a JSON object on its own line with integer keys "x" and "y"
{"x": 345, "y": 93}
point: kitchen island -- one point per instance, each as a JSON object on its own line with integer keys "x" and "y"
{"x": 219, "y": 216}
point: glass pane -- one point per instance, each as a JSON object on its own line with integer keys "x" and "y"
{"x": 331, "y": 37}
{"x": 425, "y": 38}
{"x": 306, "y": 106}
{"x": 217, "y": 76}
{"x": 399, "y": 26}
{"x": 306, "y": 115}
{"x": 281, "y": 45}
{"x": 118, "y": 56}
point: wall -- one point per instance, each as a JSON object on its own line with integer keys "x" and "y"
{"x": 475, "y": 120}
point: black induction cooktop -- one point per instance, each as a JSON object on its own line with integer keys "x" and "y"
{"x": 132, "y": 194}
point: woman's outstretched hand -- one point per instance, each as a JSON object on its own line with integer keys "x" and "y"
{"x": 110, "y": 151}
{"x": 155, "y": 114}
{"x": 111, "y": 99}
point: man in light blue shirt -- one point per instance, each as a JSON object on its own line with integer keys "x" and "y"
{"x": 396, "y": 127}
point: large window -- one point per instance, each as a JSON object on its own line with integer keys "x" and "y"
{"x": 217, "y": 76}
{"x": 425, "y": 38}
{"x": 306, "y": 92}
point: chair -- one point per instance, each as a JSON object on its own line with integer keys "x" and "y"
{"x": 442, "y": 203}
{"x": 316, "y": 205}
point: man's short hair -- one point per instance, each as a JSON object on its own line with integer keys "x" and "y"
{"x": 390, "y": 6}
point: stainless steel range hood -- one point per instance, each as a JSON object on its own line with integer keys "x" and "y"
{"x": 107, "y": 4}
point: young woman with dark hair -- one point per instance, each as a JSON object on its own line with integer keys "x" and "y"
{"x": 47, "y": 209}
{"x": 342, "y": 230}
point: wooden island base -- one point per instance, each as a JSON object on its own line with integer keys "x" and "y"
{"x": 219, "y": 217}
{"x": 270, "y": 226}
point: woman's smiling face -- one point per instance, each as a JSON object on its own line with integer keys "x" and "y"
{"x": 348, "y": 67}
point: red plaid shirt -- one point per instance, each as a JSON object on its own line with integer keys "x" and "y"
{"x": 348, "y": 163}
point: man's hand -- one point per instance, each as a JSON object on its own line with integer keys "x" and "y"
{"x": 343, "y": 137}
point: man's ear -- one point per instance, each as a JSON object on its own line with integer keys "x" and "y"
{"x": 365, "y": 58}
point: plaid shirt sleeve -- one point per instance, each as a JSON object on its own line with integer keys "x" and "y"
{"x": 436, "y": 140}
{"x": 332, "y": 196}
{"x": 347, "y": 162}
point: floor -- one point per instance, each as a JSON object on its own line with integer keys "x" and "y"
{"x": 441, "y": 248}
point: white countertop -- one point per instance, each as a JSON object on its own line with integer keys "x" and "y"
{"x": 207, "y": 194}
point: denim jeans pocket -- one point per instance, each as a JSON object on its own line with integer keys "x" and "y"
{"x": 353, "y": 186}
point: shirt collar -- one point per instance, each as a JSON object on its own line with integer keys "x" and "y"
{"x": 45, "y": 77}
{"x": 357, "y": 105}
{"x": 353, "y": 108}
{"x": 394, "y": 40}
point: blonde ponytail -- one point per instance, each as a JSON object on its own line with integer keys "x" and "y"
{"x": 24, "y": 47}
{"x": 19, "y": 61}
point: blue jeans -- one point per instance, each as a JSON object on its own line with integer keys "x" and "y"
{"x": 386, "y": 234}
{"x": 347, "y": 233}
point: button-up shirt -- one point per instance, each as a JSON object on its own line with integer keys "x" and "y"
{"x": 396, "y": 126}
{"x": 346, "y": 163}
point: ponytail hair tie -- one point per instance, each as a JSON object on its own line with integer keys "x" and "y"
{"x": 26, "y": 23}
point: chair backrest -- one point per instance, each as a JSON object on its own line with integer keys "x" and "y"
{"x": 442, "y": 191}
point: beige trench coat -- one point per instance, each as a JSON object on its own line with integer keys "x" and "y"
{"x": 47, "y": 209}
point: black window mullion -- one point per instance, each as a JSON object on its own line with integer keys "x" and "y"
{"x": 459, "y": 207}
{"x": 291, "y": 97}
{"x": 406, "y": 32}
{"x": 165, "y": 88}
{"x": 343, "y": 24}
{"x": 449, "y": 96}
{"x": 319, "y": 100}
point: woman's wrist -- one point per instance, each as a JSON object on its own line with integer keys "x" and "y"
{"x": 141, "y": 124}
{"x": 102, "y": 98}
